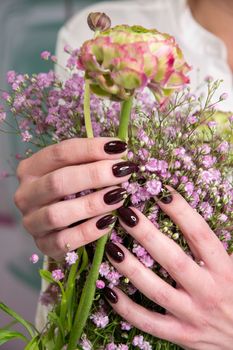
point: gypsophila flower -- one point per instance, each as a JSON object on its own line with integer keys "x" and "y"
{"x": 71, "y": 257}
{"x": 34, "y": 258}
{"x": 111, "y": 346}
{"x": 45, "y": 55}
{"x": 100, "y": 319}
{"x": 125, "y": 326}
{"x": 58, "y": 274}
{"x": 100, "y": 284}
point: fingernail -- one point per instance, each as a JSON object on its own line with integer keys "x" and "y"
{"x": 124, "y": 168}
{"x": 114, "y": 252}
{"x": 114, "y": 196}
{"x": 165, "y": 196}
{"x": 106, "y": 221}
{"x": 128, "y": 216}
{"x": 115, "y": 147}
{"x": 110, "y": 295}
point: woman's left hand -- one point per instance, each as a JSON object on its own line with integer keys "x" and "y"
{"x": 199, "y": 311}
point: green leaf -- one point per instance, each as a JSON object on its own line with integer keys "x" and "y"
{"x": 33, "y": 344}
{"x": 47, "y": 276}
{"x": 18, "y": 318}
{"x": 7, "y": 335}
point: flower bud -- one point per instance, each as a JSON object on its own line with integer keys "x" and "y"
{"x": 98, "y": 21}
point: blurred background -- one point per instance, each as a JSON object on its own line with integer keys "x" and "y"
{"x": 27, "y": 27}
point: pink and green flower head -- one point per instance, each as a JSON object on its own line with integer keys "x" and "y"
{"x": 125, "y": 58}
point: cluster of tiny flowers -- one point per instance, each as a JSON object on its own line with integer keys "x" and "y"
{"x": 71, "y": 257}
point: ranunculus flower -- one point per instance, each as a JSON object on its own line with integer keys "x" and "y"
{"x": 122, "y": 59}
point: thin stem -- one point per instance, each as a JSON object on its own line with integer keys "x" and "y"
{"x": 126, "y": 107}
{"x": 87, "y": 296}
{"x": 87, "y": 110}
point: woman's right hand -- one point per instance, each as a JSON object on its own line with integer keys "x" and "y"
{"x": 63, "y": 169}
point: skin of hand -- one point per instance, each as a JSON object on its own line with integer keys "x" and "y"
{"x": 64, "y": 169}
{"x": 199, "y": 311}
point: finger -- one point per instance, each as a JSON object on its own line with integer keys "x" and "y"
{"x": 196, "y": 231}
{"x": 62, "y": 182}
{"x": 64, "y": 213}
{"x": 151, "y": 285}
{"x": 70, "y": 152}
{"x": 55, "y": 244}
{"x": 164, "y": 250}
{"x": 160, "y": 326}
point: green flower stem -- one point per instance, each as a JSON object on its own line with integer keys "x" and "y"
{"x": 88, "y": 292}
{"x": 126, "y": 107}
{"x": 87, "y": 110}
{"x": 87, "y": 296}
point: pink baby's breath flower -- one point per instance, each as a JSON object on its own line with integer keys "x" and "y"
{"x": 26, "y": 136}
{"x": 212, "y": 124}
{"x": 11, "y": 76}
{"x": 230, "y": 119}
{"x": 100, "y": 319}
{"x": 223, "y": 147}
{"x": 57, "y": 274}
{"x": 224, "y": 96}
{"x": 34, "y": 258}
{"x": 104, "y": 269}
{"x": 45, "y": 55}
{"x": 100, "y": 284}
{"x": 2, "y": 116}
{"x": 125, "y": 326}
{"x": 71, "y": 257}
{"x": 122, "y": 347}
{"x": 154, "y": 187}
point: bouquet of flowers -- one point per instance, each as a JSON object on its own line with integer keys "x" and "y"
{"x": 129, "y": 82}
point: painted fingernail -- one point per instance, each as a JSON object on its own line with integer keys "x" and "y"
{"x": 124, "y": 168}
{"x": 114, "y": 252}
{"x": 110, "y": 295}
{"x": 165, "y": 196}
{"x": 115, "y": 147}
{"x": 114, "y": 196}
{"x": 128, "y": 216}
{"x": 106, "y": 221}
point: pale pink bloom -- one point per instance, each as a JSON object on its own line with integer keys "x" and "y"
{"x": 34, "y": 258}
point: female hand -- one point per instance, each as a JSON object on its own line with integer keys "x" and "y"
{"x": 199, "y": 312}
{"x": 59, "y": 170}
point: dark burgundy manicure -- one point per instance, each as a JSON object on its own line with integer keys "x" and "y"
{"x": 124, "y": 168}
{"x": 115, "y": 147}
{"x": 114, "y": 196}
{"x": 110, "y": 295}
{"x": 165, "y": 196}
{"x": 106, "y": 221}
{"x": 114, "y": 252}
{"x": 128, "y": 216}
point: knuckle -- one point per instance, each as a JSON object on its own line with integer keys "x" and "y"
{"x": 86, "y": 234}
{"x": 59, "y": 152}
{"x": 160, "y": 297}
{"x": 96, "y": 175}
{"x": 92, "y": 147}
{"x": 18, "y": 199}
{"x": 178, "y": 264}
{"x": 132, "y": 272}
{"x": 55, "y": 184}
{"x": 20, "y": 171}
{"x": 91, "y": 206}
{"x": 52, "y": 217}
{"x": 147, "y": 327}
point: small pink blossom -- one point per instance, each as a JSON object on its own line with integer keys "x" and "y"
{"x": 34, "y": 258}
{"x": 100, "y": 284}
{"x": 58, "y": 274}
{"x": 45, "y": 55}
{"x": 71, "y": 257}
{"x": 100, "y": 319}
{"x": 125, "y": 326}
